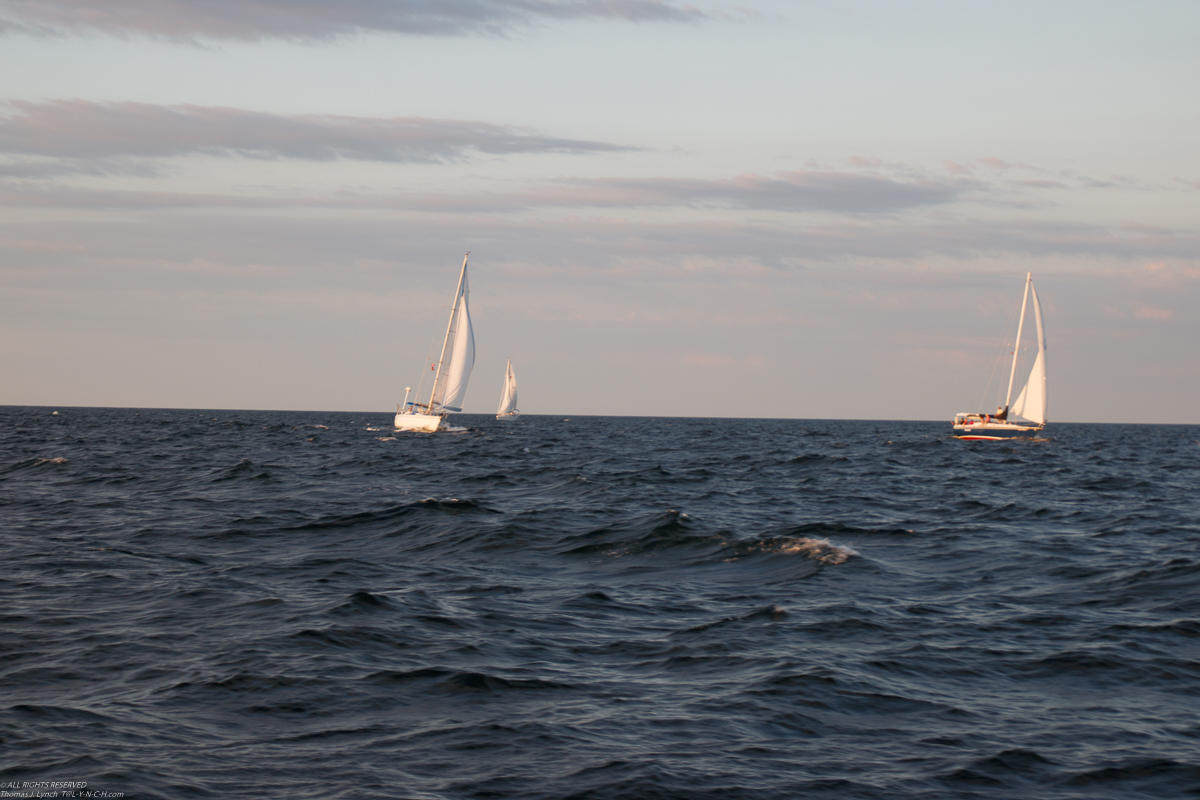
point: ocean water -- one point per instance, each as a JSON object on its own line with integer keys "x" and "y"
{"x": 246, "y": 604}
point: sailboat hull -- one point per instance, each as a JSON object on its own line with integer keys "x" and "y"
{"x": 991, "y": 431}
{"x": 420, "y": 422}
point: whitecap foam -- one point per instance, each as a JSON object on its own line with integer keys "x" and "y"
{"x": 820, "y": 550}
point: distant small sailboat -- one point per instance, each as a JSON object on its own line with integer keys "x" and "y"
{"x": 508, "y": 397}
{"x": 451, "y": 370}
{"x": 1030, "y": 408}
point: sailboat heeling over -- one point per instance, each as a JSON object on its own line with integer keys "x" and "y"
{"x": 1031, "y": 402}
{"x": 458, "y": 355}
{"x": 451, "y": 370}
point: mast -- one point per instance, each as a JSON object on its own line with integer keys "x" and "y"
{"x": 1016, "y": 346}
{"x": 449, "y": 325}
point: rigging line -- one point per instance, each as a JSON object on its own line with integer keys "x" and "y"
{"x": 428, "y": 360}
{"x": 1002, "y": 354}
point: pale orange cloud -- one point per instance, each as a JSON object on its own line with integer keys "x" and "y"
{"x": 995, "y": 163}
{"x": 709, "y": 360}
{"x": 1149, "y": 312}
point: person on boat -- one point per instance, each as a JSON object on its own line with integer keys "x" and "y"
{"x": 1001, "y": 414}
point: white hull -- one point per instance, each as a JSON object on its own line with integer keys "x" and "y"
{"x": 420, "y": 422}
{"x": 510, "y": 415}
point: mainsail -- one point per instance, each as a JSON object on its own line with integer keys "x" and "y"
{"x": 458, "y": 354}
{"x": 1031, "y": 402}
{"x": 508, "y": 397}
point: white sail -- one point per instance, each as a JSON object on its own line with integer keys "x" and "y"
{"x": 508, "y": 397}
{"x": 1031, "y": 403}
{"x": 452, "y": 370}
{"x": 458, "y": 354}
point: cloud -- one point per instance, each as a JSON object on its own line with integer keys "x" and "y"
{"x": 1149, "y": 312}
{"x": 709, "y": 360}
{"x": 320, "y": 19}
{"x": 1165, "y": 275}
{"x": 800, "y": 190}
{"x": 865, "y": 161}
{"x": 81, "y": 129}
{"x": 43, "y": 169}
{"x": 995, "y": 163}
{"x": 1038, "y": 183}
{"x": 789, "y": 192}
{"x": 238, "y": 237}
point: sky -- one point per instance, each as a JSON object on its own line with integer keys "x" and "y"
{"x": 804, "y": 209}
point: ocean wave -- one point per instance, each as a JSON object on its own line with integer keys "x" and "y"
{"x": 821, "y": 550}
{"x": 34, "y": 463}
{"x": 647, "y": 534}
{"x": 481, "y": 682}
{"x": 209, "y": 603}
{"x": 243, "y": 470}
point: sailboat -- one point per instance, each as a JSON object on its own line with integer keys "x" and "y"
{"x": 1028, "y": 414}
{"x": 451, "y": 370}
{"x": 508, "y": 397}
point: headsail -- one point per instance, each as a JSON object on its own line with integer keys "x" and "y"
{"x": 508, "y": 397}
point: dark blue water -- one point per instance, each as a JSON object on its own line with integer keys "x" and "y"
{"x": 218, "y": 604}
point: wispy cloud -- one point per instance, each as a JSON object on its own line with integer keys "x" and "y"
{"x": 80, "y": 129}
{"x": 1038, "y": 183}
{"x": 243, "y": 236}
{"x": 41, "y": 169}
{"x": 1165, "y": 275}
{"x": 709, "y": 360}
{"x": 787, "y": 192}
{"x": 1150, "y": 312}
{"x": 800, "y": 190}
{"x": 996, "y": 163}
{"x": 320, "y": 19}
